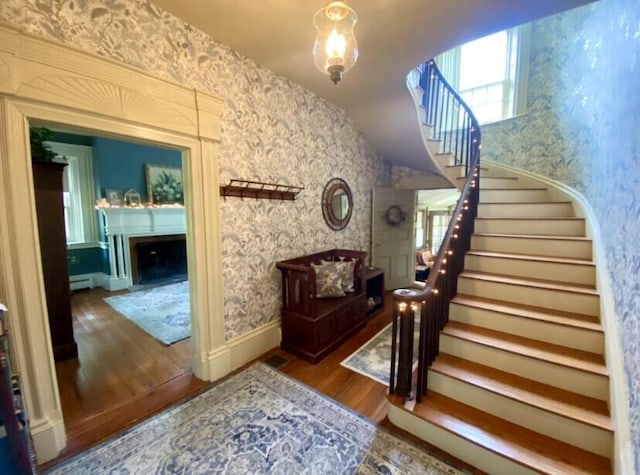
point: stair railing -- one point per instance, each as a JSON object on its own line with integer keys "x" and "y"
{"x": 455, "y": 126}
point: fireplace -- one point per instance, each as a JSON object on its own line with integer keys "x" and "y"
{"x": 126, "y": 227}
{"x": 157, "y": 259}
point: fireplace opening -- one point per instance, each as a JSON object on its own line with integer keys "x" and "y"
{"x": 158, "y": 259}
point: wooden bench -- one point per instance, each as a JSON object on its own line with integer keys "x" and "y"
{"x": 313, "y": 326}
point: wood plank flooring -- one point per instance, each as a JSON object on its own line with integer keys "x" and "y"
{"x": 123, "y": 376}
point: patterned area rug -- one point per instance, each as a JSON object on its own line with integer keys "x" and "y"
{"x": 373, "y": 359}
{"x": 163, "y": 312}
{"x": 257, "y": 422}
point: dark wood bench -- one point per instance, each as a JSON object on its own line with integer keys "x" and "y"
{"x": 312, "y": 326}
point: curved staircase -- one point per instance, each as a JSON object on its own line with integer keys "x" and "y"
{"x": 520, "y": 384}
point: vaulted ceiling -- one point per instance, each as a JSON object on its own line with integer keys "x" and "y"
{"x": 393, "y": 36}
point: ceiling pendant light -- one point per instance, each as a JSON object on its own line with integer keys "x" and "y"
{"x": 335, "y": 50}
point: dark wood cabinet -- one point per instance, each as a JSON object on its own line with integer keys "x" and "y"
{"x": 47, "y": 178}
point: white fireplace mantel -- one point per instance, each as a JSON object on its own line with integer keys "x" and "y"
{"x": 141, "y": 221}
{"x": 122, "y": 223}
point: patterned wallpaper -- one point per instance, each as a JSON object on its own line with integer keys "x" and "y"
{"x": 583, "y": 128}
{"x": 272, "y": 130}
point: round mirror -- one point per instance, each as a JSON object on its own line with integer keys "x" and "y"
{"x": 337, "y": 203}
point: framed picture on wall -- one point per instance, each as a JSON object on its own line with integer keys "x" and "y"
{"x": 114, "y": 197}
{"x": 164, "y": 184}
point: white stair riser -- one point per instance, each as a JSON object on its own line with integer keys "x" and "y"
{"x": 535, "y": 247}
{"x": 557, "y": 334}
{"x": 567, "y": 430}
{"x": 587, "y": 304}
{"x": 434, "y": 146}
{"x": 525, "y": 210}
{"x": 540, "y": 227}
{"x": 455, "y": 172}
{"x": 455, "y": 445}
{"x": 498, "y": 182}
{"x": 551, "y": 298}
{"x": 578, "y": 381}
{"x": 560, "y": 272}
{"x": 512, "y": 195}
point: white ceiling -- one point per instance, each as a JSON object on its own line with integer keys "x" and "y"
{"x": 393, "y": 37}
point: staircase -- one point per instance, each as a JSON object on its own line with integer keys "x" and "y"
{"x": 520, "y": 384}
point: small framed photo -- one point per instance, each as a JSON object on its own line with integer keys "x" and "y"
{"x": 114, "y": 197}
{"x": 164, "y": 184}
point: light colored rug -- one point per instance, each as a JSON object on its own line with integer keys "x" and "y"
{"x": 163, "y": 312}
{"x": 373, "y": 359}
{"x": 257, "y": 422}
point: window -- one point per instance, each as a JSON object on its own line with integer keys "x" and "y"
{"x": 81, "y": 225}
{"x": 490, "y": 73}
{"x": 438, "y": 224}
{"x": 420, "y": 214}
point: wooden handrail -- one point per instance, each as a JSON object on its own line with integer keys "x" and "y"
{"x": 453, "y": 123}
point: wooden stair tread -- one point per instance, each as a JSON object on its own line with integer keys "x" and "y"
{"x": 527, "y": 203}
{"x": 549, "y": 352}
{"x": 547, "y": 237}
{"x": 536, "y": 218}
{"x": 514, "y": 178}
{"x": 527, "y": 188}
{"x": 523, "y": 446}
{"x": 587, "y": 410}
{"x": 531, "y": 257}
{"x": 531, "y": 282}
{"x": 586, "y": 322}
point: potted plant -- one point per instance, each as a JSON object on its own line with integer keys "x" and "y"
{"x": 41, "y": 152}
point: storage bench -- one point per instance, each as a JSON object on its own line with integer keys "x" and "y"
{"x": 313, "y": 326}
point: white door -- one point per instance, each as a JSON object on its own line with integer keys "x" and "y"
{"x": 392, "y": 245}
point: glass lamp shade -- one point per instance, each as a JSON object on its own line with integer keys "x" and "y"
{"x": 335, "y": 50}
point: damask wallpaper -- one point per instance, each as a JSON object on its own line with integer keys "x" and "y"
{"x": 272, "y": 131}
{"x": 583, "y": 128}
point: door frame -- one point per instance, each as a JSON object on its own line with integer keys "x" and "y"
{"x": 42, "y": 83}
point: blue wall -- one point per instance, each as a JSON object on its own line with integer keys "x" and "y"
{"x": 120, "y": 165}
{"x": 116, "y": 165}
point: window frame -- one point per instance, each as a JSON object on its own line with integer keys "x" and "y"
{"x": 79, "y": 177}
{"x": 516, "y": 67}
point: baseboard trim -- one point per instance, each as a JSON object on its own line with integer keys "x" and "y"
{"x": 239, "y": 351}
{"x": 623, "y": 456}
{"x": 49, "y": 438}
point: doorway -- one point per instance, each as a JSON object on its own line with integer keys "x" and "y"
{"x": 114, "y": 101}
{"x": 117, "y": 366}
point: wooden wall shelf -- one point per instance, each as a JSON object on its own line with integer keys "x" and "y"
{"x": 257, "y": 189}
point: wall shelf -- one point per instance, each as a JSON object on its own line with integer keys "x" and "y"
{"x": 257, "y": 189}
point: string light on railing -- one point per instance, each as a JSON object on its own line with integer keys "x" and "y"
{"x": 443, "y": 271}
{"x": 455, "y": 236}
{"x": 450, "y": 252}
{"x": 456, "y": 226}
{"x": 414, "y": 307}
{"x": 402, "y": 306}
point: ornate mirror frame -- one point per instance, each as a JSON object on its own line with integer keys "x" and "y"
{"x": 333, "y": 211}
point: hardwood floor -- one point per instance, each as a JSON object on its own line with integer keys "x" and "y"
{"x": 123, "y": 376}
